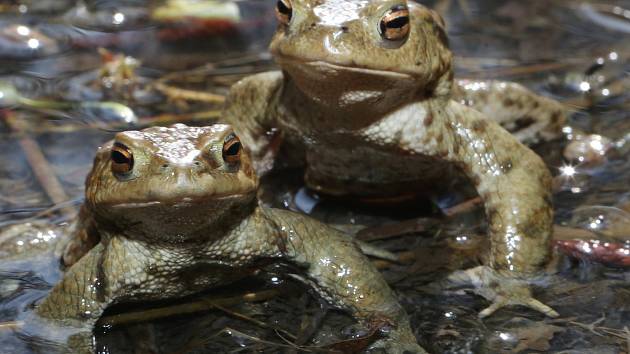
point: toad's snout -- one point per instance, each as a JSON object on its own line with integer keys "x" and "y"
{"x": 193, "y": 165}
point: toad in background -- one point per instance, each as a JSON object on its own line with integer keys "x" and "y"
{"x": 366, "y": 97}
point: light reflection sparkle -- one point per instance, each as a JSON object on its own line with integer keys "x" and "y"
{"x": 568, "y": 171}
{"x": 118, "y": 18}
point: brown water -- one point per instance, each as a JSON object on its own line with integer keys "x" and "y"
{"x": 574, "y": 51}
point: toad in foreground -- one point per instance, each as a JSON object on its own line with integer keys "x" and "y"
{"x": 174, "y": 211}
{"x": 366, "y": 91}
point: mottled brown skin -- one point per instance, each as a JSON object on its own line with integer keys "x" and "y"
{"x": 529, "y": 117}
{"x": 380, "y": 119}
{"x": 185, "y": 219}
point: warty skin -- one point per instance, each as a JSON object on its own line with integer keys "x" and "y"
{"x": 380, "y": 119}
{"x": 172, "y": 211}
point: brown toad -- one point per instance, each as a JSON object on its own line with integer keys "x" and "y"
{"x": 174, "y": 211}
{"x": 366, "y": 92}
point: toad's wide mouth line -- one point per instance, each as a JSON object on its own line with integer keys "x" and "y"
{"x": 178, "y": 203}
{"x": 319, "y": 64}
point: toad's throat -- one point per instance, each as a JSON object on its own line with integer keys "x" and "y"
{"x": 348, "y": 88}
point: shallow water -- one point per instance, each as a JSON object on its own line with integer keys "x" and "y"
{"x": 574, "y": 51}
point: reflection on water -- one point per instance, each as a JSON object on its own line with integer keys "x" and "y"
{"x": 73, "y": 73}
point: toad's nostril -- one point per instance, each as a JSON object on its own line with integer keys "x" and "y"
{"x": 344, "y": 29}
{"x": 202, "y": 166}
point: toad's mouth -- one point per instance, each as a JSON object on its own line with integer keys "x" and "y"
{"x": 179, "y": 203}
{"x": 323, "y": 67}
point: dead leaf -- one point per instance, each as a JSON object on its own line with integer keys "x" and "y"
{"x": 535, "y": 337}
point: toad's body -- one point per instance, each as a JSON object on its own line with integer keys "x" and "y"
{"x": 172, "y": 211}
{"x": 366, "y": 91}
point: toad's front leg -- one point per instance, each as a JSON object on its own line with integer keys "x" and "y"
{"x": 341, "y": 274}
{"x": 515, "y": 186}
{"x": 98, "y": 279}
{"x": 251, "y": 109}
{"x": 513, "y": 182}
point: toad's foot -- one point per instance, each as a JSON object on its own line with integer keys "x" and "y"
{"x": 43, "y": 335}
{"x": 81, "y": 343}
{"x": 500, "y": 289}
{"x": 398, "y": 341}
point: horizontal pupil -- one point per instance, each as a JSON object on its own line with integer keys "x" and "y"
{"x": 233, "y": 149}
{"x": 118, "y": 157}
{"x": 283, "y": 8}
{"x": 398, "y": 22}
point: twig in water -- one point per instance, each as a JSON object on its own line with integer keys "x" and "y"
{"x": 12, "y": 325}
{"x": 189, "y": 95}
{"x": 254, "y": 321}
{"x": 192, "y": 307}
{"x": 44, "y": 173}
{"x": 463, "y": 207}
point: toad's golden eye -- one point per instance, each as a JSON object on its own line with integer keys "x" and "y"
{"x": 122, "y": 159}
{"x": 394, "y": 25}
{"x": 232, "y": 149}
{"x": 284, "y": 11}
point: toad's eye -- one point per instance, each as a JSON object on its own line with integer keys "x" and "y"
{"x": 284, "y": 11}
{"x": 394, "y": 26}
{"x": 232, "y": 149}
{"x": 122, "y": 159}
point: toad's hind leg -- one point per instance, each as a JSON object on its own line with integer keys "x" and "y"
{"x": 531, "y": 118}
